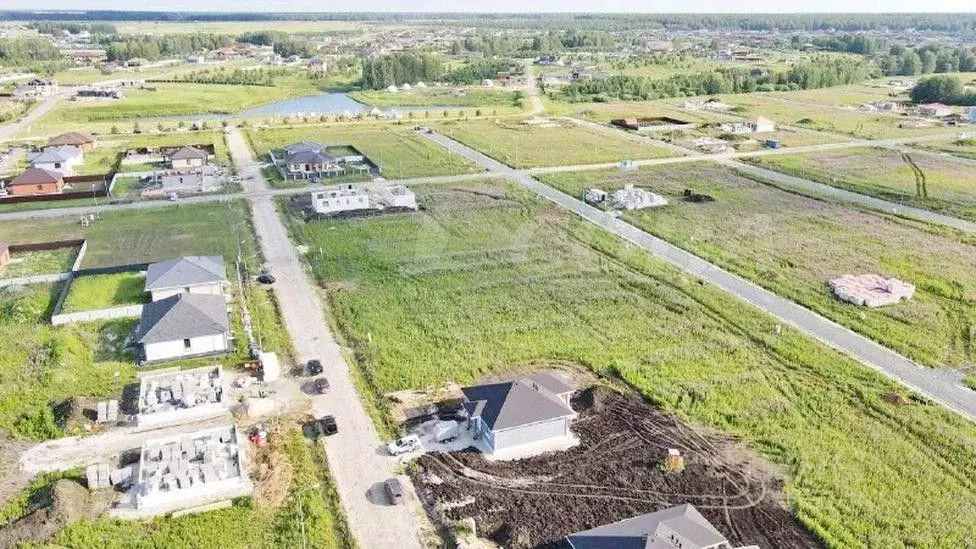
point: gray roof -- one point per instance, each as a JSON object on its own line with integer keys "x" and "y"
{"x": 310, "y": 157}
{"x": 188, "y": 152}
{"x": 639, "y": 532}
{"x": 513, "y": 404}
{"x": 193, "y": 270}
{"x": 304, "y": 146}
{"x": 552, "y": 381}
{"x": 182, "y": 316}
{"x": 55, "y": 154}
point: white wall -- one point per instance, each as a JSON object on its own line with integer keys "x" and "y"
{"x": 534, "y": 432}
{"x": 170, "y": 350}
{"x": 331, "y": 204}
{"x": 213, "y": 289}
{"x": 185, "y": 163}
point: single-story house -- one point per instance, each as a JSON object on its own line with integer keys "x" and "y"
{"x": 312, "y": 163}
{"x": 182, "y": 326}
{"x": 678, "y": 527}
{"x": 186, "y": 158}
{"x": 187, "y": 275}
{"x": 934, "y": 110}
{"x": 761, "y": 124}
{"x": 36, "y": 181}
{"x": 84, "y": 141}
{"x": 340, "y": 198}
{"x": 525, "y": 411}
{"x": 61, "y": 159}
{"x": 36, "y": 87}
{"x": 4, "y": 255}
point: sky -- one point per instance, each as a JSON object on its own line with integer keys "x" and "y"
{"x": 627, "y": 6}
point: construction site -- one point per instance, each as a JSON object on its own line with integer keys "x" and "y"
{"x": 632, "y": 459}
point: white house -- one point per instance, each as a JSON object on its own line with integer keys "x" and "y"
{"x": 183, "y": 326}
{"x": 340, "y": 198}
{"x": 527, "y": 412}
{"x": 760, "y": 124}
{"x": 399, "y": 196}
{"x": 187, "y": 158}
{"x": 190, "y": 274}
{"x": 61, "y": 159}
{"x": 678, "y": 527}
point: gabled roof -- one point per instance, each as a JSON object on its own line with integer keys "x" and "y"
{"x": 513, "y": 404}
{"x": 37, "y": 176}
{"x": 72, "y": 138}
{"x": 554, "y": 382}
{"x": 185, "y": 271}
{"x": 311, "y": 157}
{"x": 58, "y": 153}
{"x": 188, "y": 152}
{"x": 182, "y": 316}
{"x": 304, "y": 146}
{"x": 759, "y": 120}
{"x": 639, "y": 532}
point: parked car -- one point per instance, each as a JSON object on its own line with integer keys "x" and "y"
{"x": 321, "y": 385}
{"x": 328, "y": 425}
{"x": 394, "y": 491}
{"x": 402, "y": 445}
{"x": 266, "y": 279}
{"x": 314, "y": 367}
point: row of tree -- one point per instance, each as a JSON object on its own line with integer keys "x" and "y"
{"x": 409, "y": 68}
{"x": 942, "y": 89}
{"x": 17, "y": 51}
{"x": 73, "y": 27}
{"x": 160, "y": 47}
{"x": 819, "y": 72}
{"x": 898, "y": 60}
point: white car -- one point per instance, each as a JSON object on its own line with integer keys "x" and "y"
{"x": 402, "y": 445}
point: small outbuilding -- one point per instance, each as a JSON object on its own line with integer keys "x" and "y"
{"x": 35, "y": 182}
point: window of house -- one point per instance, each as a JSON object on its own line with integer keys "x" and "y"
{"x": 186, "y": 344}
{"x": 40, "y": 187}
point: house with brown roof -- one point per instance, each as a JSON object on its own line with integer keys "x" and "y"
{"x": 186, "y": 158}
{"x": 84, "y": 141}
{"x": 36, "y": 181}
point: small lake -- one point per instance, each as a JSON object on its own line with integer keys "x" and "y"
{"x": 324, "y": 103}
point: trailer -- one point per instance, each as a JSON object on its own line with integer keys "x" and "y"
{"x": 446, "y": 431}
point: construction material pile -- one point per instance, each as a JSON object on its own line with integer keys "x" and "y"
{"x": 871, "y": 290}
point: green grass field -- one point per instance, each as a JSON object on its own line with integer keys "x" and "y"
{"x": 558, "y": 143}
{"x": 964, "y": 148}
{"x": 485, "y": 279}
{"x": 853, "y": 95}
{"x": 438, "y": 97}
{"x": 794, "y": 245}
{"x": 91, "y": 293}
{"x": 42, "y": 365}
{"x": 882, "y": 173}
{"x": 40, "y": 262}
{"x": 399, "y": 152}
{"x": 251, "y": 524}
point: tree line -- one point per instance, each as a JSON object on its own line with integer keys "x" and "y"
{"x": 899, "y": 60}
{"x": 160, "y": 47}
{"x": 73, "y": 27}
{"x": 942, "y": 89}
{"x": 409, "y": 68}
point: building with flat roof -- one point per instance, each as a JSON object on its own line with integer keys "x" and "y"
{"x": 340, "y": 198}
{"x": 169, "y": 398}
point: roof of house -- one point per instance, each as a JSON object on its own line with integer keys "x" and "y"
{"x": 72, "y": 138}
{"x": 759, "y": 120}
{"x": 310, "y": 157}
{"x": 187, "y": 152}
{"x": 185, "y": 271}
{"x": 513, "y": 404}
{"x": 638, "y": 532}
{"x": 182, "y": 316}
{"x": 553, "y": 381}
{"x": 303, "y": 146}
{"x": 57, "y": 153}
{"x": 37, "y": 176}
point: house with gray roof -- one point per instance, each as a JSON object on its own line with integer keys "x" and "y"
{"x": 189, "y": 274}
{"x": 530, "y": 412}
{"x": 61, "y": 159}
{"x": 183, "y": 326}
{"x": 678, "y": 527}
{"x": 304, "y": 146}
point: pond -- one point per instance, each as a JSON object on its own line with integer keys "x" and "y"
{"x": 324, "y": 103}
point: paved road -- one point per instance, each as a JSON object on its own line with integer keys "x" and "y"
{"x": 355, "y": 459}
{"x": 943, "y": 386}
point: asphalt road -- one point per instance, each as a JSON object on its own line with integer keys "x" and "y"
{"x": 942, "y": 386}
{"x": 356, "y": 460}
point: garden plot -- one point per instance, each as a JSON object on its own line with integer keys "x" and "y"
{"x": 486, "y": 279}
{"x": 95, "y": 292}
{"x": 555, "y": 143}
{"x": 950, "y": 186}
{"x": 794, "y": 245}
{"x": 615, "y": 473}
{"x": 41, "y": 262}
{"x": 396, "y": 149}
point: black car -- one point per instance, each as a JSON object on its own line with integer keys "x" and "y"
{"x": 314, "y": 367}
{"x": 328, "y": 425}
{"x": 266, "y": 279}
{"x": 394, "y": 491}
{"x": 321, "y": 385}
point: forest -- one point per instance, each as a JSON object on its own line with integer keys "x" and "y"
{"x": 942, "y": 89}
{"x": 409, "y": 68}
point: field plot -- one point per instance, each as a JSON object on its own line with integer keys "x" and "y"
{"x": 964, "y": 148}
{"x": 486, "y": 278}
{"x": 605, "y": 112}
{"x": 438, "y": 97}
{"x": 40, "y": 263}
{"x": 882, "y": 173}
{"x": 398, "y": 151}
{"x": 793, "y": 245}
{"x": 550, "y": 144}
{"x": 853, "y": 95}
{"x": 611, "y": 476}
{"x": 826, "y": 118}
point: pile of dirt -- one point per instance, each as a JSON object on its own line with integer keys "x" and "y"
{"x": 69, "y": 504}
{"x": 615, "y": 473}
{"x": 270, "y": 470}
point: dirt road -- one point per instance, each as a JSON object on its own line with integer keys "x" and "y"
{"x": 7, "y": 131}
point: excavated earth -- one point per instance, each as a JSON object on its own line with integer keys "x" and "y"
{"x": 615, "y": 473}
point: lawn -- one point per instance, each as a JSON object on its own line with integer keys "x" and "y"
{"x": 853, "y": 95}
{"x": 91, "y": 293}
{"x": 42, "y": 365}
{"x": 485, "y": 279}
{"x": 397, "y": 149}
{"x": 964, "y": 148}
{"x": 793, "y": 245}
{"x": 252, "y": 524}
{"x": 39, "y": 262}
{"x": 437, "y": 97}
{"x": 883, "y": 173}
{"x": 553, "y": 144}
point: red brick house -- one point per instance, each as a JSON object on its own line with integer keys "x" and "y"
{"x": 36, "y": 181}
